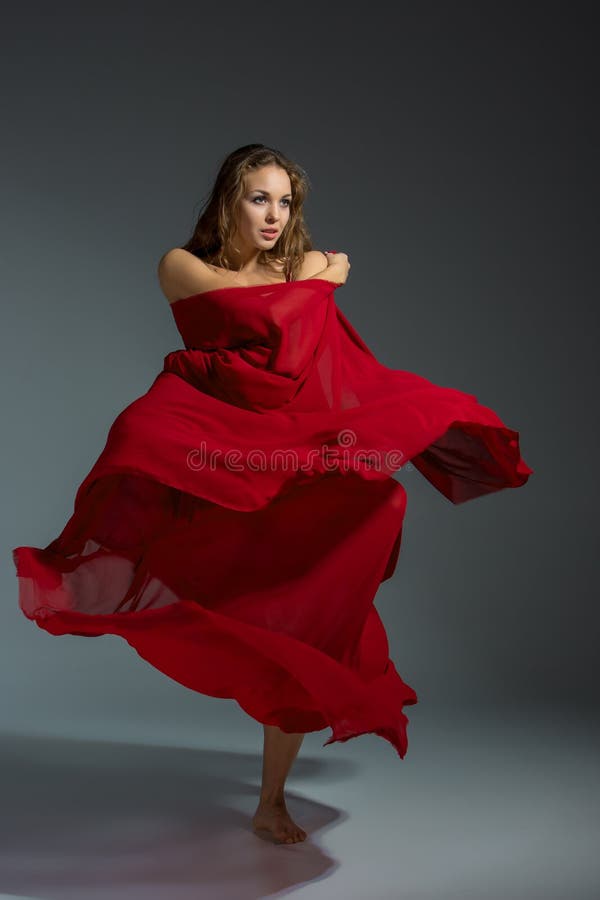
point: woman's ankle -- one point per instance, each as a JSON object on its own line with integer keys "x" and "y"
{"x": 272, "y": 798}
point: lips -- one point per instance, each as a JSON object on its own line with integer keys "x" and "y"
{"x": 269, "y": 231}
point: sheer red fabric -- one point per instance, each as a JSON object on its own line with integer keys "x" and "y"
{"x": 238, "y": 522}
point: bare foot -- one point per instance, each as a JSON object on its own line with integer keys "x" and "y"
{"x": 273, "y": 819}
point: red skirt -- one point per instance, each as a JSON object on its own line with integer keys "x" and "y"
{"x": 248, "y": 580}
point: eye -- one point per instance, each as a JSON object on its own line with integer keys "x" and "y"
{"x": 260, "y": 197}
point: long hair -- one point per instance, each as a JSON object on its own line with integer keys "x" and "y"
{"x": 217, "y": 219}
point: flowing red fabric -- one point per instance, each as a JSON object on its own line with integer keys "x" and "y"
{"x": 238, "y": 522}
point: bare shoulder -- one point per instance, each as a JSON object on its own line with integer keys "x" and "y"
{"x": 181, "y": 273}
{"x": 314, "y": 263}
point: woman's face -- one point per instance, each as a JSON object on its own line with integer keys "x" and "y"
{"x": 265, "y": 203}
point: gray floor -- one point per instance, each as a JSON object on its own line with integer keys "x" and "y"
{"x": 495, "y": 806}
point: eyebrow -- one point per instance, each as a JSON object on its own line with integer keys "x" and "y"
{"x": 268, "y": 194}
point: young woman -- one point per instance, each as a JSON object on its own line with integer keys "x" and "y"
{"x": 236, "y": 526}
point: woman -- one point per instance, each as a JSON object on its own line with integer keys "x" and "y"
{"x": 238, "y": 522}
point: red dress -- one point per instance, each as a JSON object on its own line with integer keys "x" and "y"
{"x": 238, "y": 522}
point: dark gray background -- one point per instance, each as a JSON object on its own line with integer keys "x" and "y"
{"x": 452, "y": 152}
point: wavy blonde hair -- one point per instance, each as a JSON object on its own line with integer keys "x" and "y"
{"x": 217, "y": 219}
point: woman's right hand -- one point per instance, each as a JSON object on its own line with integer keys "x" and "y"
{"x": 339, "y": 263}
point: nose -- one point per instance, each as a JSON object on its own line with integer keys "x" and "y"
{"x": 273, "y": 211}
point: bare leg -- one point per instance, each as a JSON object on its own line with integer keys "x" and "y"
{"x": 279, "y": 752}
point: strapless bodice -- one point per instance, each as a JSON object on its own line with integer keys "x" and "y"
{"x": 235, "y": 316}
{"x": 252, "y": 345}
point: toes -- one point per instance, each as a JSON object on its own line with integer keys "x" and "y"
{"x": 287, "y": 835}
